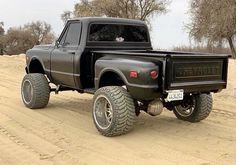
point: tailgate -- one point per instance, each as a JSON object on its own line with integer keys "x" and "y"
{"x": 196, "y": 73}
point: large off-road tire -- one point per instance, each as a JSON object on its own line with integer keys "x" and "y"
{"x": 35, "y": 91}
{"x": 113, "y": 111}
{"x": 195, "y": 108}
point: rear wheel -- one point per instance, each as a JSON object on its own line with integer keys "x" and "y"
{"x": 35, "y": 91}
{"x": 194, "y": 108}
{"x": 113, "y": 111}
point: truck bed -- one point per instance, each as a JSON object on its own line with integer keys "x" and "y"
{"x": 189, "y": 71}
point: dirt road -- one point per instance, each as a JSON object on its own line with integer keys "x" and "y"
{"x": 63, "y": 133}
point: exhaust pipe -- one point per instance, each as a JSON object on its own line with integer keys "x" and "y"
{"x": 155, "y": 108}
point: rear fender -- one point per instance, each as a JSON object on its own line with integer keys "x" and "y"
{"x": 142, "y": 87}
{"x": 113, "y": 70}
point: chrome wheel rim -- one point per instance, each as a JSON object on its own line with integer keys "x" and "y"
{"x": 27, "y": 91}
{"x": 102, "y": 112}
{"x": 187, "y": 108}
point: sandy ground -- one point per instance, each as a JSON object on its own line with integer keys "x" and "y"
{"x": 63, "y": 133}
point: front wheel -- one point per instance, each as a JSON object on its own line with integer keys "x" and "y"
{"x": 194, "y": 108}
{"x": 113, "y": 111}
{"x": 35, "y": 91}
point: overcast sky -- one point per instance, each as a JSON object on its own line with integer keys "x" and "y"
{"x": 167, "y": 30}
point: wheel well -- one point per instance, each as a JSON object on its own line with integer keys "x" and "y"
{"x": 36, "y": 67}
{"x": 110, "y": 78}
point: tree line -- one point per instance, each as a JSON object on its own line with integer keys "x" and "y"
{"x": 212, "y": 23}
{"x": 18, "y": 40}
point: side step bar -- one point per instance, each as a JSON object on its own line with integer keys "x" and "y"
{"x": 59, "y": 88}
{"x": 89, "y": 90}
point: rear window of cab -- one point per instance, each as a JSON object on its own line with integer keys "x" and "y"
{"x": 117, "y": 33}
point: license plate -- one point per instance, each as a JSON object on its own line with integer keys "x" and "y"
{"x": 175, "y": 95}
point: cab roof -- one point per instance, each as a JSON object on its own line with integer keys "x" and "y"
{"x": 108, "y": 19}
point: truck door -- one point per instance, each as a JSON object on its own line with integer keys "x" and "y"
{"x": 62, "y": 57}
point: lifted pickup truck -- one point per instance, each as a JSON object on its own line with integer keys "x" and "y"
{"x": 113, "y": 59}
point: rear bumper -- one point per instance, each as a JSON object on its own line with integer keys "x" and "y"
{"x": 151, "y": 92}
{"x": 204, "y": 86}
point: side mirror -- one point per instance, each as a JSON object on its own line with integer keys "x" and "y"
{"x": 57, "y": 43}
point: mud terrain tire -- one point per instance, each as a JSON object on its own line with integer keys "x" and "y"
{"x": 201, "y": 110}
{"x": 35, "y": 91}
{"x": 113, "y": 111}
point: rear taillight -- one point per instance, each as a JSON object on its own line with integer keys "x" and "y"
{"x": 154, "y": 74}
{"x": 133, "y": 74}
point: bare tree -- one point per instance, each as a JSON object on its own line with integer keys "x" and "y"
{"x": 41, "y": 31}
{"x": 1, "y": 28}
{"x": 214, "y": 21}
{"x": 18, "y": 40}
{"x": 2, "y": 31}
{"x": 86, "y": 8}
{"x": 134, "y": 9}
{"x": 66, "y": 15}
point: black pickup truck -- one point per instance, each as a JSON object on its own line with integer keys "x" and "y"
{"x": 113, "y": 59}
